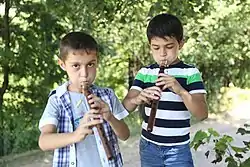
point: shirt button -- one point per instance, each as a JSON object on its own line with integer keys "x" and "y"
{"x": 72, "y": 163}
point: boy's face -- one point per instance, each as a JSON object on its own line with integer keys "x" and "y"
{"x": 80, "y": 67}
{"x": 165, "y": 49}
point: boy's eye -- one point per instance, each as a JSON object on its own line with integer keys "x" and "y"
{"x": 91, "y": 64}
{"x": 169, "y": 47}
{"x": 75, "y": 66}
{"x": 156, "y": 48}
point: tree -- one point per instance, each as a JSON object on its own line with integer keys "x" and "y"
{"x": 30, "y": 41}
{"x": 5, "y": 68}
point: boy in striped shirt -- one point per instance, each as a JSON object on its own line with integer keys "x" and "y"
{"x": 182, "y": 94}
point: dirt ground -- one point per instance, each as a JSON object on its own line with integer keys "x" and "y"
{"x": 226, "y": 125}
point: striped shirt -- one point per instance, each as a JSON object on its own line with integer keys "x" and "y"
{"x": 172, "y": 123}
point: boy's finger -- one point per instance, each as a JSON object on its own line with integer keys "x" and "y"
{"x": 148, "y": 101}
{"x": 163, "y": 75}
{"x": 96, "y": 102}
{"x": 94, "y": 122}
{"x": 93, "y": 111}
{"x": 165, "y": 79}
{"x": 88, "y": 131}
{"x": 165, "y": 87}
{"x": 92, "y": 100}
{"x": 149, "y": 97}
{"x": 97, "y": 105}
{"x": 91, "y": 96}
{"x": 160, "y": 79}
{"x": 149, "y": 93}
{"x": 94, "y": 116}
{"x": 144, "y": 100}
{"x": 160, "y": 83}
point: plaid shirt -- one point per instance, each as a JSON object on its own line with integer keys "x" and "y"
{"x": 66, "y": 156}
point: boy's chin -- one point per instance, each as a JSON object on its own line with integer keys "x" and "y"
{"x": 162, "y": 63}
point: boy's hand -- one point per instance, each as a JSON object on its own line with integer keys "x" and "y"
{"x": 167, "y": 81}
{"x": 99, "y": 104}
{"x": 89, "y": 120}
{"x": 147, "y": 95}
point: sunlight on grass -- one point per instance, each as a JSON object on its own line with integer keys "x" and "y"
{"x": 235, "y": 101}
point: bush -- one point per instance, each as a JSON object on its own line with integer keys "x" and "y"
{"x": 233, "y": 155}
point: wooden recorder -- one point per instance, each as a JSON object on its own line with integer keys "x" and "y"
{"x": 154, "y": 105}
{"x": 100, "y": 129}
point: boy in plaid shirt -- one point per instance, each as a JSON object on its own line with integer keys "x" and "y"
{"x": 66, "y": 124}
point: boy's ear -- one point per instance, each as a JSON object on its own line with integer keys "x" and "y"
{"x": 61, "y": 64}
{"x": 181, "y": 43}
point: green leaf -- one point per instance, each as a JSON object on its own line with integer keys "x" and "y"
{"x": 221, "y": 147}
{"x": 247, "y": 125}
{"x": 226, "y": 139}
{"x": 218, "y": 158}
{"x": 242, "y": 131}
{"x": 213, "y": 132}
{"x": 247, "y": 143}
{"x": 231, "y": 162}
{"x": 239, "y": 149}
{"x": 198, "y": 139}
{"x": 246, "y": 163}
{"x": 238, "y": 155}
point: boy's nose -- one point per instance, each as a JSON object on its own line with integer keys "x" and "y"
{"x": 163, "y": 52}
{"x": 83, "y": 72}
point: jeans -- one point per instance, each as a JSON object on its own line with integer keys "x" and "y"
{"x": 153, "y": 155}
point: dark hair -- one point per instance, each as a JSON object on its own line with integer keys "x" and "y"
{"x": 164, "y": 25}
{"x": 76, "y": 41}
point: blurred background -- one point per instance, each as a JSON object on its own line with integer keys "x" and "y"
{"x": 217, "y": 41}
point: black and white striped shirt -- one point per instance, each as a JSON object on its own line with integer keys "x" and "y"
{"x": 172, "y": 124}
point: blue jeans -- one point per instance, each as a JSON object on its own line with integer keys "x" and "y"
{"x": 153, "y": 155}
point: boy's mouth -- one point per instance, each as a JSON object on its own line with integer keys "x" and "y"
{"x": 163, "y": 62}
{"x": 84, "y": 83}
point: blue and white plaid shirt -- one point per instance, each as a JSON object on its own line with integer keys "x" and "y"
{"x": 66, "y": 156}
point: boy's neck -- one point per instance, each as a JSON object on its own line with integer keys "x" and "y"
{"x": 73, "y": 89}
{"x": 175, "y": 61}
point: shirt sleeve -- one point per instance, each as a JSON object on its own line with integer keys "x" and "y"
{"x": 138, "y": 83}
{"x": 195, "y": 83}
{"x": 50, "y": 114}
{"x": 117, "y": 108}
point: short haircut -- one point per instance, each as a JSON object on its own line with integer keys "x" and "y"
{"x": 164, "y": 25}
{"x": 76, "y": 41}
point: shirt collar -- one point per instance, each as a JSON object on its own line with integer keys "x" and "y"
{"x": 155, "y": 65}
{"x": 62, "y": 89}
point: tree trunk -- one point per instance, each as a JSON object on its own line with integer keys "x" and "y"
{"x": 130, "y": 72}
{"x": 5, "y": 68}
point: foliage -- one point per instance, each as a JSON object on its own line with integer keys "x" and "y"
{"x": 33, "y": 42}
{"x": 233, "y": 98}
{"x": 233, "y": 155}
